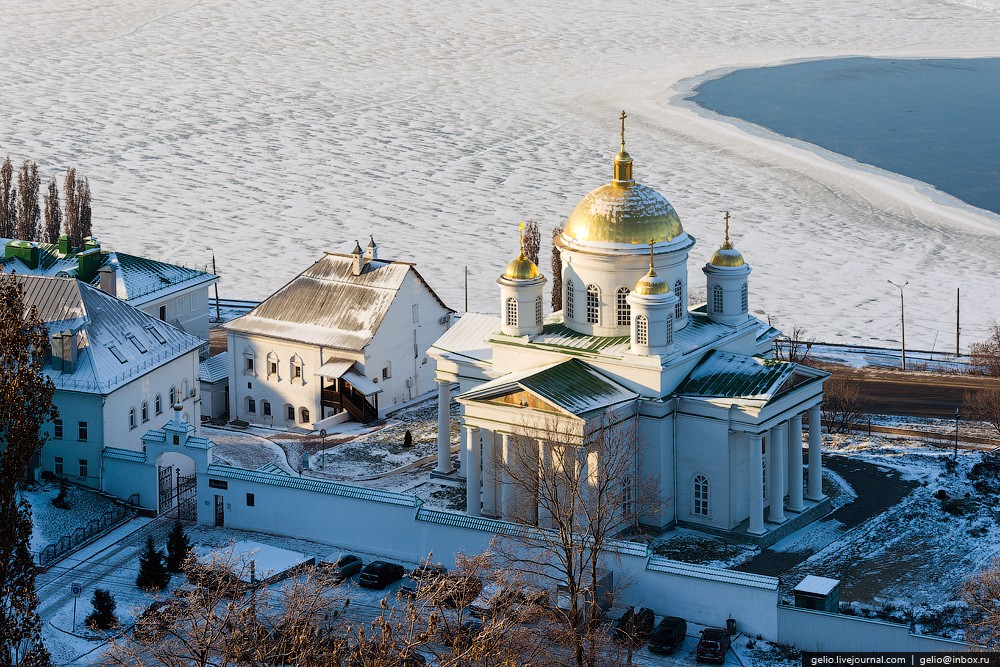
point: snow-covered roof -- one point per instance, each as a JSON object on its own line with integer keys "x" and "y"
{"x": 736, "y": 376}
{"x": 468, "y": 337}
{"x": 659, "y": 564}
{"x": 814, "y": 585}
{"x": 570, "y": 385}
{"x": 329, "y": 306}
{"x": 140, "y": 279}
{"x": 214, "y": 369}
{"x": 117, "y": 343}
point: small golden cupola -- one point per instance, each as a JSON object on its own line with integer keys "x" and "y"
{"x": 521, "y": 299}
{"x": 521, "y": 268}
{"x": 727, "y": 255}
{"x": 651, "y": 283}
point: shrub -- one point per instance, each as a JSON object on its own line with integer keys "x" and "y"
{"x": 103, "y": 617}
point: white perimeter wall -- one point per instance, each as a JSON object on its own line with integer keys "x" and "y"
{"x": 810, "y": 630}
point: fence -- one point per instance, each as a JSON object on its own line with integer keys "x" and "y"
{"x": 93, "y": 529}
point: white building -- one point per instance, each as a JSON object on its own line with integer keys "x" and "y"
{"x": 719, "y": 423}
{"x": 346, "y": 338}
{"x": 174, "y": 294}
{"x": 116, "y": 370}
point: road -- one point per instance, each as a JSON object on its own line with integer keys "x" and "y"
{"x": 914, "y": 394}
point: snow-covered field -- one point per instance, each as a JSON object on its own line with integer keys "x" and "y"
{"x": 269, "y": 131}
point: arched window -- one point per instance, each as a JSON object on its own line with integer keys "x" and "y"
{"x": 701, "y": 495}
{"x": 679, "y": 306}
{"x": 272, "y": 365}
{"x": 184, "y": 390}
{"x": 670, "y": 330}
{"x": 624, "y": 310}
{"x": 289, "y": 412}
{"x": 249, "y": 361}
{"x": 265, "y": 408}
{"x": 641, "y": 330}
{"x": 744, "y": 300}
{"x": 296, "y": 367}
{"x": 131, "y": 418}
{"x": 538, "y": 309}
{"x": 158, "y": 404}
{"x": 570, "y": 290}
{"x": 717, "y": 299}
{"x": 145, "y": 411}
{"x": 512, "y": 312}
{"x": 304, "y": 414}
{"x": 251, "y": 405}
{"x": 593, "y": 304}
{"x": 173, "y": 396}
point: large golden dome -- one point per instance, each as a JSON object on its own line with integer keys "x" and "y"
{"x": 623, "y": 214}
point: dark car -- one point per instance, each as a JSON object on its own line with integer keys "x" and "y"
{"x": 379, "y": 574}
{"x": 668, "y": 635}
{"x": 634, "y": 626}
{"x": 423, "y": 575}
{"x": 343, "y": 568}
{"x": 712, "y": 646}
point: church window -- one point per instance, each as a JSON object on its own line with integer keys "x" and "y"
{"x": 158, "y": 404}
{"x": 131, "y": 418}
{"x": 593, "y": 304}
{"x": 145, "y": 411}
{"x": 289, "y": 412}
{"x": 717, "y": 299}
{"x": 570, "y": 289}
{"x": 641, "y": 330}
{"x": 173, "y": 396}
{"x": 251, "y": 405}
{"x": 272, "y": 365}
{"x": 744, "y": 298}
{"x": 670, "y": 330}
{"x": 512, "y": 312}
{"x": 679, "y": 306}
{"x": 538, "y": 309}
{"x": 296, "y": 367}
{"x": 701, "y": 495}
{"x": 624, "y": 310}
{"x": 304, "y": 414}
{"x": 265, "y": 408}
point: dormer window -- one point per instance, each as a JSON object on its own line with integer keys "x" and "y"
{"x": 157, "y": 335}
{"x": 137, "y": 343}
{"x": 118, "y": 354}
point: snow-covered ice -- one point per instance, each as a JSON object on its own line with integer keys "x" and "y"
{"x": 267, "y": 132}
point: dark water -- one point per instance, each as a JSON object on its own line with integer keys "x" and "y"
{"x": 937, "y": 121}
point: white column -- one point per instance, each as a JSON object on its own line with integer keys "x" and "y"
{"x": 544, "y": 461}
{"x": 815, "y": 457}
{"x": 506, "y": 481}
{"x": 472, "y": 474}
{"x": 463, "y": 447}
{"x": 776, "y": 473}
{"x": 795, "y": 464}
{"x": 755, "y": 487}
{"x": 489, "y": 474}
{"x": 444, "y": 427}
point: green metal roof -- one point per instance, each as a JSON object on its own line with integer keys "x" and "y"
{"x": 557, "y": 334}
{"x": 575, "y": 387}
{"x": 123, "y": 454}
{"x": 731, "y": 375}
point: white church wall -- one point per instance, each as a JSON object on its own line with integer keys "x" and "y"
{"x": 703, "y": 449}
{"x": 740, "y": 463}
{"x": 656, "y": 462}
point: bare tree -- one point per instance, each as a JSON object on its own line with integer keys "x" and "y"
{"x": 984, "y": 405}
{"x": 577, "y": 489}
{"x": 795, "y": 347}
{"x": 981, "y": 592}
{"x": 985, "y": 356}
{"x": 83, "y": 205}
{"x": 556, "y": 270}
{"x": 72, "y": 216}
{"x": 53, "y": 213}
{"x": 8, "y": 200}
{"x": 844, "y": 403}
{"x": 532, "y": 241}
{"x": 28, "y": 211}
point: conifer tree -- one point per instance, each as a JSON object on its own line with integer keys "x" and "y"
{"x": 62, "y": 500}
{"x": 556, "y": 270}
{"x": 83, "y": 206}
{"x": 71, "y": 208}
{"x": 8, "y": 200}
{"x": 53, "y": 214}
{"x": 25, "y": 405}
{"x": 103, "y": 616}
{"x": 178, "y": 548}
{"x": 28, "y": 211}
{"x": 153, "y": 575}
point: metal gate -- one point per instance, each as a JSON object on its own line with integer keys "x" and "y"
{"x": 166, "y": 488}
{"x": 187, "y": 500}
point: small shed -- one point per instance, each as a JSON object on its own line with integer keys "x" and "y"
{"x": 818, "y": 594}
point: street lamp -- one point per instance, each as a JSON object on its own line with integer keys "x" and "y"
{"x": 902, "y": 319}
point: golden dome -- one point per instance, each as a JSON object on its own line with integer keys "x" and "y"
{"x": 651, "y": 283}
{"x": 727, "y": 255}
{"x": 616, "y": 213}
{"x": 521, "y": 268}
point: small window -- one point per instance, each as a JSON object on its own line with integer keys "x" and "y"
{"x": 158, "y": 404}
{"x": 624, "y": 309}
{"x": 249, "y": 500}
{"x": 156, "y": 334}
{"x": 304, "y": 413}
{"x": 59, "y": 465}
{"x": 177, "y": 439}
{"x": 136, "y": 343}
{"x": 670, "y": 330}
{"x": 173, "y": 396}
{"x": 416, "y": 313}
{"x": 297, "y": 371}
{"x": 118, "y": 354}
{"x": 57, "y": 433}
{"x": 570, "y": 289}
{"x": 744, "y": 298}
{"x": 679, "y": 293}
{"x": 131, "y": 419}
{"x": 387, "y": 371}
{"x": 641, "y": 330}
{"x": 512, "y": 312}
{"x": 701, "y": 495}
{"x": 145, "y": 412}
{"x": 265, "y": 408}
{"x": 82, "y": 431}
{"x": 83, "y": 468}
{"x": 249, "y": 363}
{"x": 290, "y": 413}
{"x": 251, "y": 405}
{"x": 163, "y": 313}
{"x": 717, "y": 299}
{"x": 249, "y": 385}
{"x": 538, "y": 310}
{"x": 184, "y": 390}
{"x": 593, "y": 305}
{"x": 272, "y": 368}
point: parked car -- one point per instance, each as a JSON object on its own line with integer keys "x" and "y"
{"x": 424, "y": 574}
{"x": 634, "y": 626}
{"x": 379, "y": 574}
{"x": 668, "y": 635}
{"x": 496, "y": 598}
{"x": 712, "y": 646}
{"x": 343, "y": 568}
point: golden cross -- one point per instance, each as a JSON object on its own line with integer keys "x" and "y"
{"x": 727, "y": 226}
{"x": 624, "y": 116}
{"x": 651, "y": 241}
{"x": 520, "y": 228}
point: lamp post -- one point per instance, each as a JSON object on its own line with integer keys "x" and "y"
{"x": 322, "y": 462}
{"x": 902, "y": 319}
{"x": 957, "y": 415}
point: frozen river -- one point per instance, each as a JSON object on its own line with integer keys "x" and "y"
{"x": 268, "y": 131}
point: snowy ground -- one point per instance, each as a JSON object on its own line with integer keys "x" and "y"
{"x": 267, "y": 132}
{"x": 50, "y": 522}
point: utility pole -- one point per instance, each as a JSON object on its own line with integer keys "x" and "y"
{"x": 957, "y": 415}
{"x": 958, "y": 318}
{"x": 466, "y": 288}
{"x": 902, "y": 318}
{"x": 218, "y": 313}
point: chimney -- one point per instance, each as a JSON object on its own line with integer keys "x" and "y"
{"x": 109, "y": 279}
{"x": 356, "y": 269}
{"x": 26, "y": 251}
{"x": 65, "y": 247}
{"x": 57, "y": 348}
{"x": 69, "y": 351}
{"x": 87, "y": 263}
{"x": 372, "y": 253}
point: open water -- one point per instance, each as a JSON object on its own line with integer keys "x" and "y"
{"x": 937, "y": 121}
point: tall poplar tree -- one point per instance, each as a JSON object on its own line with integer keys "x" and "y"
{"x": 8, "y": 201}
{"x": 25, "y": 405}
{"x": 28, "y": 211}
{"x": 83, "y": 208}
{"x": 53, "y": 213}
{"x": 557, "y": 303}
{"x": 71, "y": 208}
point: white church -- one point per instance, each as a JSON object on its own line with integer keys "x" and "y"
{"x": 720, "y": 422}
